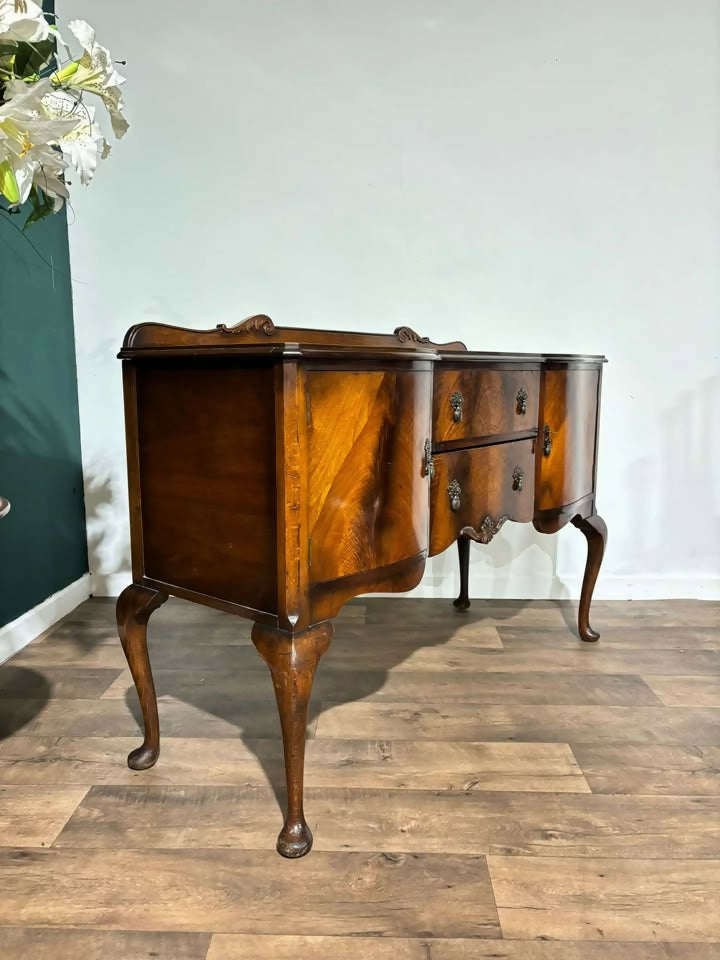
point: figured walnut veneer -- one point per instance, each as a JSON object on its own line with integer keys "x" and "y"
{"x": 275, "y": 473}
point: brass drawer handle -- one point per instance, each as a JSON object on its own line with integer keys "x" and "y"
{"x": 521, "y": 398}
{"x": 454, "y": 492}
{"x": 456, "y": 402}
{"x": 547, "y": 440}
{"x": 517, "y": 479}
{"x": 429, "y": 462}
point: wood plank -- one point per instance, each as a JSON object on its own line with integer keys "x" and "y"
{"x": 28, "y": 943}
{"x": 34, "y": 816}
{"x": 686, "y": 691}
{"x": 227, "y": 631}
{"x": 678, "y": 770}
{"x": 65, "y": 683}
{"x": 68, "y": 653}
{"x": 606, "y": 899}
{"x": 631, "y": 635}
{"x": 584, "y": 658}
{"x": 333, "y": 763}
{"x": 337, "y": 685}
{"x": 228, "y": 946}
{"x": 410, "y": 821}
{"x": 234, "y": 891}
{"x": 542, "y": 723}
{"x": 208, "y": 716}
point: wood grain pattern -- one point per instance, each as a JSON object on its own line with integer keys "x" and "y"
{"x": 487, "y": 488}
{"x": 489, "y": 399}
{"x": 691, "y": 691}
{"x": 230, "y": 947}
{"x": 34, "y": 816}
{"x": 411, "y": 821}
{"x": 358, "y": 420}
{"x": 676, "y": 770}
{"x": 77, "y": 944}
{"x": 607, "y": 899}
{"x": 384, "y": 894}
{"x": 462, "y": 767}
{"x": 393, "y": 681}
{"x": 206, "y": 435}
{"x": 569, "y": 408}
{"x": 540, "y": 723}
{"x": 435, "y": 740}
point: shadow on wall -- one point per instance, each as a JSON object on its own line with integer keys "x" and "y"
{"x": 106, "y": 511}
{"x": 682, "y": 487}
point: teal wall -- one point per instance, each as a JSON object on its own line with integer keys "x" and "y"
{"x": 42, "y": 539}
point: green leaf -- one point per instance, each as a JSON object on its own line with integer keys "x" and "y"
{"x": 42, "y": 207}
{"x": 8, "y": 184}
{"x": 30, "y": 58}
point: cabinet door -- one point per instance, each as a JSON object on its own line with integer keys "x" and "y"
{"x": 566, "y": 440}
{"x": 368, "y": 496}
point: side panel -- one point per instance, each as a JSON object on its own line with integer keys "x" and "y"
{"x": 206, "y": 462}
{"x": 368, "y": 498}
{"x": 569, "y": 406}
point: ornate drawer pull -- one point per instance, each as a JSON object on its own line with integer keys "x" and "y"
{"x": 454, "y": 492}
{"x": 429, "y": 462}
{"x": 521, "y": 399}
{"x": 456, "y": 402}
{"x": 517, "y": 478}
{"x": 547, "y": 440}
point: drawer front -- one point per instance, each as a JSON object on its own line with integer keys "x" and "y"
{"x": 566, "y": 445}
{"x": 473, "y": 403}
{"x": 470, "y": 485}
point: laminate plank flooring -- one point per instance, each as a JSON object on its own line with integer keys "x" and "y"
{"x": 480, "y": 785}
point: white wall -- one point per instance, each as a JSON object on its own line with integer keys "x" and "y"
{"x": 531, "y": 176}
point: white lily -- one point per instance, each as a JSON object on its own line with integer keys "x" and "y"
{"x": 22, "y": 21}
{"x": 96, "y": 73}
{"x": 29, "y": 140}
{"x": 84, "y": 144}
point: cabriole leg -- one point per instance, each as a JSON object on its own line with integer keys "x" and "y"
{"x": 595, "y": 532}
{"x": 292, "y": 658}
{"x": 463, "y": 544}
{"x": 134, "y": 606}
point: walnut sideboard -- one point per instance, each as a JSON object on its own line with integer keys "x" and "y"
{"x": 275, "y": 472}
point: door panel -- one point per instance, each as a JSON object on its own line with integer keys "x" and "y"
{"x": 368, "y": 495}
{"x": 569, "y": 412}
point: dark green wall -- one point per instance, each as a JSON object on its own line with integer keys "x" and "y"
{"x": 42, "y": 539}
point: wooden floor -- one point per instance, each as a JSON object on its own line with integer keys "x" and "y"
{"x": 480, "y": 785}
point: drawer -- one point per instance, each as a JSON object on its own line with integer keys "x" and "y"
{"x": 471, "y": 403}
{"x": 470, "y": 485}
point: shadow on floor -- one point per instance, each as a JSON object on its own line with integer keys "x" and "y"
{"x": 23, "y": 695}
{"x": 229, "y": 680}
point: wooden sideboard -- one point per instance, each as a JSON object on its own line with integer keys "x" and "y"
{"x": 275, "y": 473}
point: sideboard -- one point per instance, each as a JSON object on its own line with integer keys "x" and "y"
{"x": 275, "y": 473}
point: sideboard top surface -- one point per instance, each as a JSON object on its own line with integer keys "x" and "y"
{"x": 258, "y": 336}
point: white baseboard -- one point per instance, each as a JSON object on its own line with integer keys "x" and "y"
{"x": 610, "y": 587}
{"x": 519, "y": 587}
{"x": 16, "y": 635}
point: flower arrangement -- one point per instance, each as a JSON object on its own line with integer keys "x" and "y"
{"x": 46, "y": 125}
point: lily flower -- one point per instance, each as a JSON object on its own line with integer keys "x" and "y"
{"x": 22, "y": 21}
{"x": 96, "y": 73}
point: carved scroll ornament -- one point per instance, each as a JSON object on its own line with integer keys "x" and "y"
{"x": 488, "y": 529}
{"x": 256, "y": 324}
